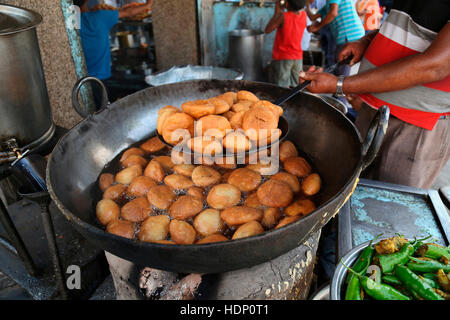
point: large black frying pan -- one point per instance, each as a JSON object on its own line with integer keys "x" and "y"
{"x": 327, "y": 137}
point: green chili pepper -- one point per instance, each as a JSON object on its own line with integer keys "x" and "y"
{"x": 391, "y": 279}
{"x": 431, "y": 276}
{"x": 353, "y": 291}
{"x": 418, "y": 242}
{"x": 415, "y": 284}
{"x": 426, "y": 265}
{"x": 363, "y": 260}
{"x": 387, "y": 262}
{"x": 431, "y": 282}
{"x": 378, "y": 291}
{"x": 381, "y": 291}
{"x": 433, "y": 251}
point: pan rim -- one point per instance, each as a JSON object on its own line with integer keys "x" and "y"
{"x": 135, "y": 243}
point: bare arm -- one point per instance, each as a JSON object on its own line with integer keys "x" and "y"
{"x": 330, "y": 15}
{"x": 134, "y": 11}
{"x": 326, "y": 20}
{"x": 311, "y": 16}
{"x": 277, "y": 19}
{"x": 431, "y": 65}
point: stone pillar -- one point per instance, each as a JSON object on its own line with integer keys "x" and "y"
{"x": 175, "y": 33}
{"x": 59, "y": 68}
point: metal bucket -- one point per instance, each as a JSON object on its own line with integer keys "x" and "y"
{"x": 246, "y": 53}
{"x": 24, "y": 103}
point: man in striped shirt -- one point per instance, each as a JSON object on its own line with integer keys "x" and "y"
{"x": 343, "y": 20}
{"x": 406, "y": 66}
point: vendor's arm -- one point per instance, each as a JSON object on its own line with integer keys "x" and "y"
{"x": 431, "y": 65}
{"x": 277, "y": 19}
{"x": 330, "y": 16}
{"x": 134, "y": 11}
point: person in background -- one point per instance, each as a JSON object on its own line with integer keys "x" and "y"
{"x": 344, "y": 23}
{"x": 94, "y": 33}
{"x": 370, "y": 14}
{"x": 287, "y": 51}
{"x": 406, "y": 66}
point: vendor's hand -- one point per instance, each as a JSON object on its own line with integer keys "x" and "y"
{"x": 313, "y": 28}
{"x": 321, "y": 82}
{"x": 356, "y": 48}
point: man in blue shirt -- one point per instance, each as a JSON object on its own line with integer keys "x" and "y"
{"x": 343, "y": 20}
{"x": 94, "y": 32}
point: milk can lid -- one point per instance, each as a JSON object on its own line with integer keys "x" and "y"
{"x": 15, "y": 19}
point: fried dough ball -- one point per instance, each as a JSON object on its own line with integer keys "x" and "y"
{"x": 212, "y": 126}
{"x": 277, "y": 110}
{"x": 182, "y": 232}
{"x": 230, "y": 97}
{"x": 290, "y": 179}
{"x": 184, "y": 169}
{"x": 132, "y": 151}
{"x": 121, "y": 228}
{"x": 179, "y": 157}
{"x": 178, "y": 127}
{"x": 275, "y": 193}
{"x": 178, "y": 181}
{"x": 245, "y": 179}
{"x": 196, "y": 192}
{"x": 105, "y": 181}
{"x": 134, "y": 159}
{"x": 165, "y": 161}
{"x": 163, "y": 115}
{"x": 205, "y": 145}
{"x": 311, "y": 184}
{"x": 204, "y": 176}
{"x": 223, "y": 196}
{"x": 208, "y": 222}
{"x": 271, "y": 217}
{"x": 127, "y": 175}
{"x": 161, "y": 196}
{"x": 268, "y": 169}
{"x": 246, "y": 95}
{"x": 228, "y": 115}
{"x": 185, "y": 207}
{"x": 115, "y": 192}
{"x": 287, "y": 150}
{"x": 137, "y": 210}
{"x": 253, "y": 201}
{"x": 258, "y": 123}
{"x": 140, "y": 186}
{"x": 238, "y": 215}
{"x": 274, "y": 137}
{"x": 155, "y": 171}
{"x": 220, "y": 104}
{"x": 248, "y": 229}
{"x": 198, "y": 108}
{"x": 226, "y": 162}
{"x": 286, "y": 221}
{"x": 107, "y": 210}
{"x": 241, "y": 106}
{"x": 154, "y": 228}
{"x": 152, "y": 145}
{"x": 297, "y": 166}
{"x": 204, "y": 160}
{"x": 236, "y": 120}
{"x": 212, "y": 238}
{"x": 236, "y": 142}
{"x": 300, "y": 207}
